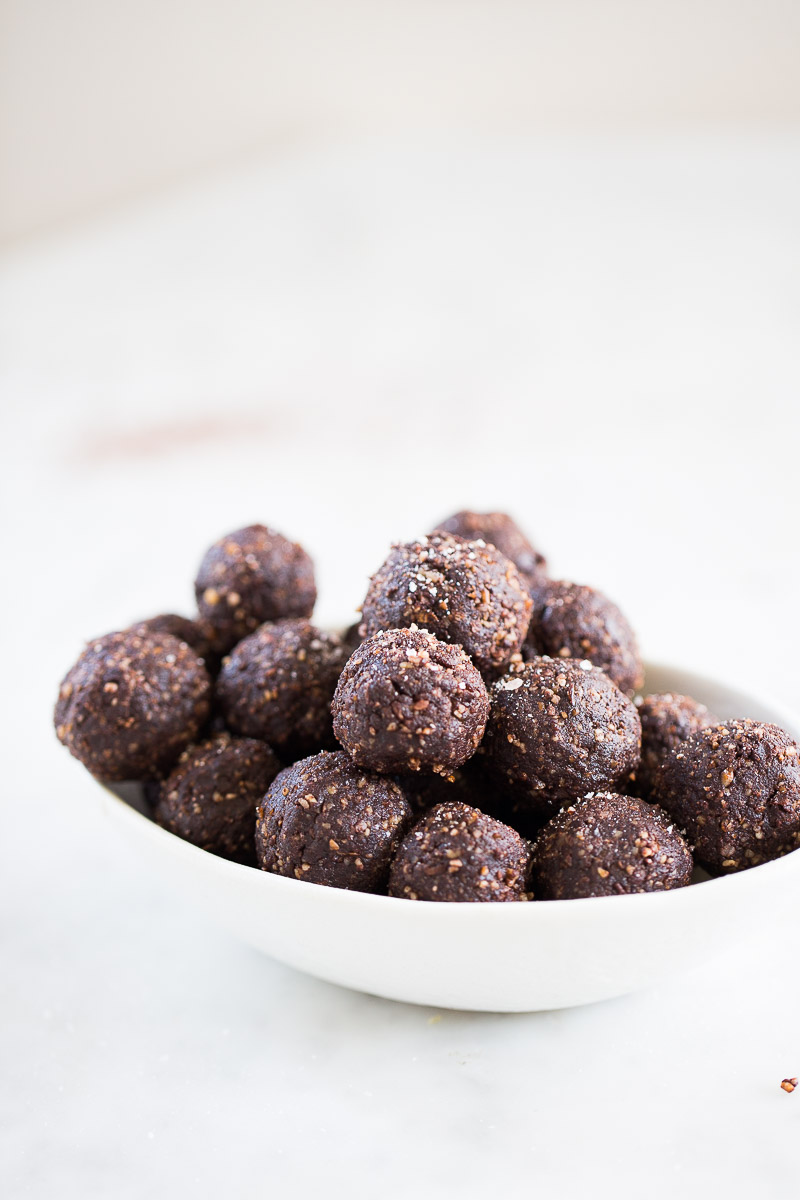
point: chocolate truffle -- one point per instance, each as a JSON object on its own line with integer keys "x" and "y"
{"x": 571, "y": 621}
{"x": 464, "y": 785}
{"x": 407, "y": 702}
{"x": 278, "y": 683}
{"x": 457, "y": 853}
{"x": 251, "y": 576}
{"x": 132, "y": 703}
{"x": 193, "y": 633}
{"x": 210, "y": 797}
{"x": 463, "y": 592}
{"x": 609, "y": 845}
{"x": 667, "y": 720}
{"x": 327, "y": 821}
{"x": 736, "y": 789}
{"x": 557, "y": 730}
{"x": 500, "y": 530}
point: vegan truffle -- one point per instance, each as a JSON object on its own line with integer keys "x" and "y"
{"x": 327, "y": 821}
{"x": 667, "y": 720}
{"x": 210, "y": 797}
{"x": 736, "y": 789}
{"x": 572, "y": 621}
{"x": 501, "y": 531}
{"x": 251, "y": 576}
{"x": 191, "y": 632}
{"x": 278, "y": 683}
{"x": 131, "y": 704}
{"x": 407, "y": 702}
{"x": 609, "y": 845}
{"x": 463, "y": 592}
{"x": 457, "y": 853}
{"x": 557, "y": 730}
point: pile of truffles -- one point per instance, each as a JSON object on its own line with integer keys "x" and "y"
{"x": 478, "y": 736}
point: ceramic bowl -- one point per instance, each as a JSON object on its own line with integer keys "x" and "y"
{"x": 487, "y": 957}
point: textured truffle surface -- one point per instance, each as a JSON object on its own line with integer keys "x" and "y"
{"x": 278, "y": 683}
{"x": 609, "y": 845}
{"x": 462, "y": 592}
{"x": 327, "y": 821}
{"x": 558, "y": 730}
{"x": 501, "y": 531}
{"x": 667, "y": 720}
{"x": 131, "y": 704}
{"x": 572, "y": 621}
{"x": 210, "y": 797}
{"x": 251, "y": 576}
{"x": 407, "y": 702}
{"x": 736, "y": 789}
{"x": 193, "y": 633}
{"x": 456, "y": 853}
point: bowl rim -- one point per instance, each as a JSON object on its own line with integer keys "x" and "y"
{"x": 544, "y": 910}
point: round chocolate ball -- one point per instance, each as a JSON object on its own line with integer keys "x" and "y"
{"x": 193, "y": 633}
{"x": 457, "y": 853}
{"x": 132, "y": 703}
{"x": 210, "y": 797}
{"x": 278, "y": 683}
{"x": 736, "y": 789}
{"x": 502, "y": 531}
{"x": 667, "y": 720}
{"x": 572, "y": 621}
{"x": 609, "y": 845}
{"x": 462, "y": 592}
{"x": 464, "y": 785}
{"x": 251, "y": 576}
{"x": 327, "y": 821}
{"x": 557, "y": 730}
{"x": 407, "y": 702}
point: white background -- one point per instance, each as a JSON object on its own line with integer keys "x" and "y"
{"x": 599, "y": 335}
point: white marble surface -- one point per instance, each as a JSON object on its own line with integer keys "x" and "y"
{"x": 317, "y": 343}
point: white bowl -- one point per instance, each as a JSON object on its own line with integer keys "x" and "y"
{"x": 486, "y": 957}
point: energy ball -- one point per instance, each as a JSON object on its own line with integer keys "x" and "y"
{"x": 572, "y": 621}
{"x": 736, "y": 789}
{"x": 278, "y": 683}
{"x": 131, "y": 704}
{"x": 609, "y": 845}
{"x": 464, "y": 785}
{"x": 327, "y": 821}
{"x": 457, "y": 853}
{"x": 252, "y": 576}
{"x": 667, "y": 721}
{"x": 211, "y": 795}
{"x": 407, "y": 702}
{"x": 557, "y": 730}
{"x": 501, "y": 531}
{"x": 192, "y": 632}
{"x": 463, "y": 592}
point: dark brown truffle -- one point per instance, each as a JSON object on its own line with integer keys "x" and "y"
{"x": 251, "y": 576}
{"x": 456, "y": 853}
{"x": 463, "y": 592}
{"x": 196, "y": 634}
{"x": 464, "y": 785}
{"x": 211, "y": 795}
{"x": 132, "y": 703}
{"x": 736, "y": 789}
{"x": 667, "y": 720}
{"x": 278, "y": 683}
{"x": 609, "y": 845}
{"x": 500, "y": 530}
{"x": 407, "y": 702}
{"x": 327, "y": 821}
{"x": 557, "y": 730}
{"x": 572, "y": 621}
